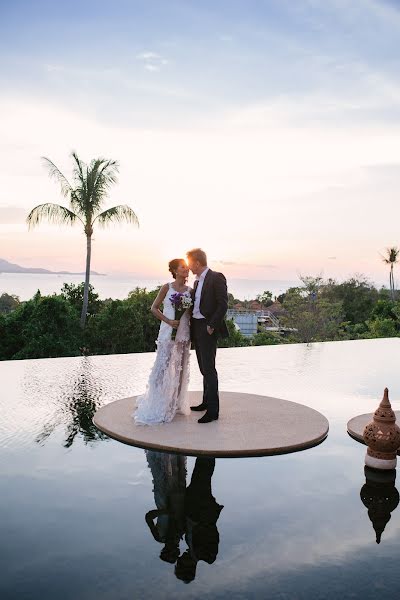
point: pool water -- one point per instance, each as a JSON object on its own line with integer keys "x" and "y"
{"x": 83, "y": 516}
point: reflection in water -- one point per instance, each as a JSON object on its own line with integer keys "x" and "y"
{"x": 75, "y": 408}
{"x": 190, "y": 513}
{"x": 380, "y": 496}
{"x": 169, "y": 480}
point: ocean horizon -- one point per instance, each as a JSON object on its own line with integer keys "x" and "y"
{"x": 25, "y": 285}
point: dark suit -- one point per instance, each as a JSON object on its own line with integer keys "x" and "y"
{"x": 202, "y": 513}
{"x": 213, "y": 306}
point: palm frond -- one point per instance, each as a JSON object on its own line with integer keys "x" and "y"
{"x": 55, "y": 173}
{"x": 79, "y": 201}
{"x": 392, "y": 254}
{"x": 119, "y": 214}
{"x": 93, "y": 182}
{"x": 79, "y": 168}
{"x": 53, "y": 213}
{"x": 103, "y": 174}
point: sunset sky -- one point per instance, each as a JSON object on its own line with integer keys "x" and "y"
{"x": 265, "y": 131}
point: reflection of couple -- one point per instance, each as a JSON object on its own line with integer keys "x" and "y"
{"x": 190, "y": 512}
{"x": 203, "y": 322}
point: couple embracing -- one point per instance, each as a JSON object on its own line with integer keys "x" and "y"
{"x": 202, "y": 322}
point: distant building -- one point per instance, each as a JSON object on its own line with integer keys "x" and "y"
{"x": 238, "y": 306}
{"x": 246, "y": 321}
{"x": 255, "y": 305}
{"x": 251, "y": 320}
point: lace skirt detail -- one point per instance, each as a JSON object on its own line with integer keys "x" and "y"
{"x": 166, "y": 392}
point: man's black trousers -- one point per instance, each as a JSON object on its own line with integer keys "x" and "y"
{"x": 206, "y": 349}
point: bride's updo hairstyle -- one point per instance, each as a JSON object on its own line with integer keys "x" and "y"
{"x": 174, "y": 264}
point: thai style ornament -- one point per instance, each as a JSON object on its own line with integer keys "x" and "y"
{"x": 382, "y": 436}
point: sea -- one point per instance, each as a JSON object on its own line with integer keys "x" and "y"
{"x": 25, "y": 285}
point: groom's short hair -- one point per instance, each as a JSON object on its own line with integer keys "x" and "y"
{"x": 198, "y": 254}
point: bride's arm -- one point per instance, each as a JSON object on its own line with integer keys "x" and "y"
{"x": 149, "y": 517}
{"x": 155, "y": 307}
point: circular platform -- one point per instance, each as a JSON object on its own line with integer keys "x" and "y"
{"x": 356, "y": 426}
{"x": 249, "y": 425}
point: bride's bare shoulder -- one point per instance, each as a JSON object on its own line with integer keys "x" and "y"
{"x": 163, "y": 291}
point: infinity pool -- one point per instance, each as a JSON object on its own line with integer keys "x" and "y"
{"x": 83, "y": 516}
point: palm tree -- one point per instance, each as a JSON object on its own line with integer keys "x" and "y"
{"x": 391, "y": 257}
{"x": 87, "y": 195}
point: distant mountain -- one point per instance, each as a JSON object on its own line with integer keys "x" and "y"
{"x": 7, "y": 267}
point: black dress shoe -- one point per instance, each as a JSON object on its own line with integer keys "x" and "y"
{"x": 207, "y": 419}
{"x": 201, "y": 406}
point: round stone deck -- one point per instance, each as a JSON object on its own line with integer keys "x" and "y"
{"x": 356, "y": 425}
{"x": 249, "y": 425}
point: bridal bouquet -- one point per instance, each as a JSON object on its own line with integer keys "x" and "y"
{"x": 181, "y": 301}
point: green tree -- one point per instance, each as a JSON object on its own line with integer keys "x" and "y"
{"x": 75, "y": 293}
{"x": 265, "y": 338}
{"x": 115, "y": 330}
{"x": 381, "y": 328}
{"x": 46, "y": 327}
{"x": 265, "y": 298}
{"x": 314, "y": 317}
{"x": 384, "y": 309}
{"x": 87, "y": 195}
{"x": 4, "y": 333}
{"x": 124, "y": 326}
{"x": 312, "y": 285}
{"x": 357, "y": 296}
{"x": 391, "y": 258}
{"x": 235, "y": 339}
{"x": 140, "y": 301}
{"x": 8, "y": 303}
{"x": 232, "y": 300}
{"x": 12, "y": 340}
{"x": 350, "y": 331}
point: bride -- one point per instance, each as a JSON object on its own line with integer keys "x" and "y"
{"x": 166, "y": 392}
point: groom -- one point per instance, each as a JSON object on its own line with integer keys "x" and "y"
{"x": 210, "y": 303}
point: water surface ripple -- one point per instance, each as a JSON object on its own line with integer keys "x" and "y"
{"x": 83, "y": 516}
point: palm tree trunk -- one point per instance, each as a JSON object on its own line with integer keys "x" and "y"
{"x": 391, "y": 282}
{"x": 87, "y": 279}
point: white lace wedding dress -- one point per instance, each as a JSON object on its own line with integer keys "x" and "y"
{"x": 166, "y": 392}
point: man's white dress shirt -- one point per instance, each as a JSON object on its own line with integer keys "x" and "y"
{"x": 196, "y": 307}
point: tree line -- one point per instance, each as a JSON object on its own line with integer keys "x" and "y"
{"x": 49, "y": 326}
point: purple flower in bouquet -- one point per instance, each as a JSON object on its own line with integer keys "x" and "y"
{"x": 181, "y": 301}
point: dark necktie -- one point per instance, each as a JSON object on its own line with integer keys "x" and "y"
{"x": 196, "y": 283}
